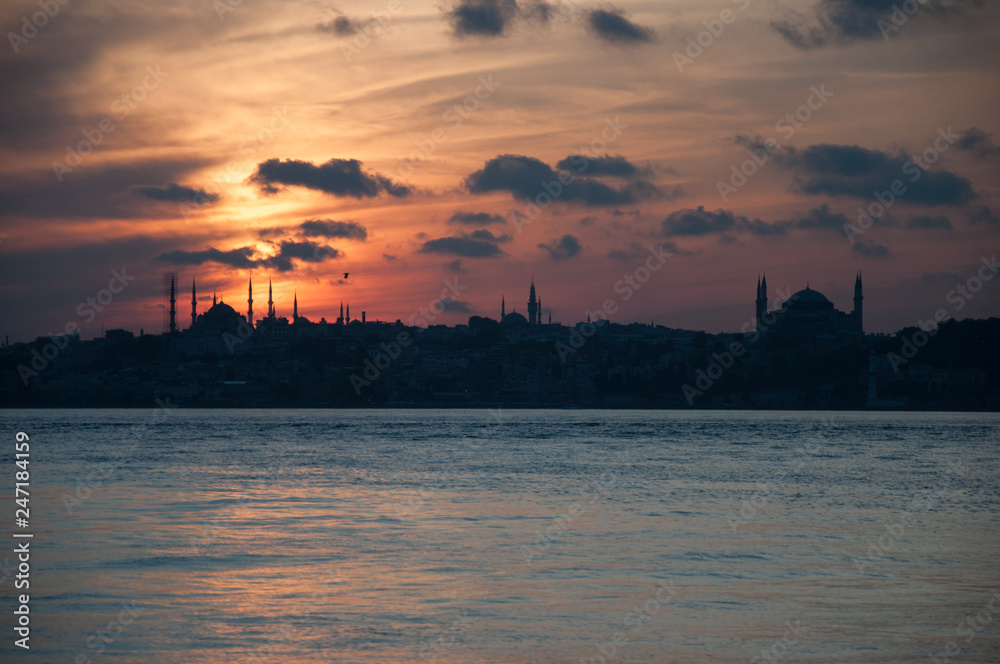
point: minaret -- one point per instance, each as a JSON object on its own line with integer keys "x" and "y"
{"x": 858, "y": 297}
{"x": 173, "y": 299}
{"x": 214, "y": 301}
{"x": 348, "y": 313}
{"x": 532, "y": 305}
{"x": 194, "y": 303}
{"x": 295, "y": 307}
{"x": 270, "y": 300}
{"x": 761, "y": 302}
{"x": 341, "y": 319}
{"x": 503, "y": 308}
{"x": 539, "y": 320}
{"x": 250, "y": 302}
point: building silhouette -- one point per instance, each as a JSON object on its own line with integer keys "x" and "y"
{"x": 809, "y": 315}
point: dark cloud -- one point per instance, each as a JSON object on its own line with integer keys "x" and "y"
{"x": 821, "y": 219}
{"x": 456, "y": 306}
{"x": 871, "y": 250}
{"x": 927, "y": 222}
{"x": 455, "y": 266}
{"x": 565, "y": 247}
{"x": 338, "y": 177}
{"x": 475, "y": 218}
{"x": 843, "y": 21}
{"x": 614, "y": 166}
{"x": 699, "y": 222}
{"x": 389, "y": 257}
{"x": 850, "y": 170}
{"x": 461, "y": 246}
{"x": 342, "y": 26}
{"x": 612, "y": 25}
{"x": 526, "y": 177}
{"x": 482, "y": 18}
{"x": 484, "y": 234}
{"x": 979, "y": 143}
{"x": 247, "y": 258}
{"x": 349, "y": 230}
{"x": 175, "y": 193}
{"x": 92, "y": 190}
{"x": 984, "y": 215}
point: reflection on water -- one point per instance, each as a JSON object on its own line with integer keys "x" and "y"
{"x": 535, "y": 536}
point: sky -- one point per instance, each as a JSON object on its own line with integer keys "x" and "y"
{"x": 460, "y": 148}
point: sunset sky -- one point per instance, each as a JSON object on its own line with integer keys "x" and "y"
{"x": 398, "y": 141}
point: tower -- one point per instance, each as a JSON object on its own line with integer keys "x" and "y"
{"x": 173, "y": 301}
{"x": 532, "y": 305}
{"x": 503, "y": 308}
{"x": 194, "y": 303}
{"x": 295, "y": 306}
{"x": 858, "y": 297}
{"x": 341, "y": 319}
{"x": 761, "y": 302}
{"x": 250, "y": 302}
{"x": 270, "y": 300}
{"x": 348, "y": 320}
{"x": 538, "y": 320}
{"x": 214, "y": 300}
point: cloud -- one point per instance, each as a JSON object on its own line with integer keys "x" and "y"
{"x": 484, "y": 234}
{"x": 247, "y": 258}
{"x": 455, "y": 266}
{"x": 565, "y": 247}
{"x": 821, "y": 219}
{"x": 475, "y": 218}
{"x": 337, "y": 177}
{"x": 614, "y": 166}
{"x": 635, "y": 251}
{"x": 984, "y": 215}
{"x": 850, "y": 170}
{"x": 526, "y": 177}
{"x": 456, "y": 306}
{"x": 979, "y": 143}
{"x": 389, "y": 257}
{"x": 175, "y": 193}
{"x": 844, "y": 21}
{"x": 342, "y": 26}
{"x": 461, "y": 246}
{"x": 492, "y": 18}
{"x": 612, "y": 25}
{"x": 927, "y": 222}
{"x": 699, "y": 222}
{"x": 871, "y": 250}
{"x": 349, "y": 230}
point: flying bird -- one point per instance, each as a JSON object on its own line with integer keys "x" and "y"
{"x": 345, "y": 274}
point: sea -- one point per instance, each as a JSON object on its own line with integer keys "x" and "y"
{"x": 501, "y": 536}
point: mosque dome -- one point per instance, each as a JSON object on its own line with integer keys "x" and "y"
{"x": 810, "y": 299}
{"x": 514, "y": 319}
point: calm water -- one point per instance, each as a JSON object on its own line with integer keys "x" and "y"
{"x": 515, "y": 537}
